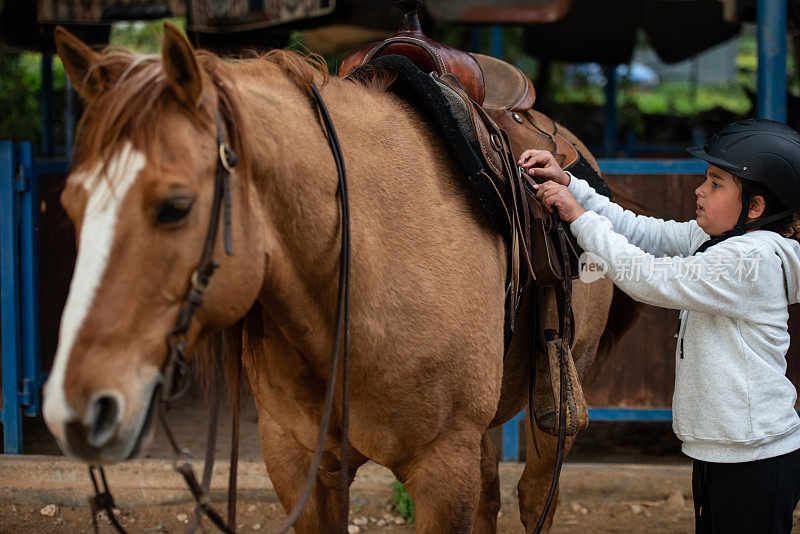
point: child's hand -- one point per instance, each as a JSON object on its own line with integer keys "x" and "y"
{"x": 553, "y": 194}
{"x": 542, "y": 165}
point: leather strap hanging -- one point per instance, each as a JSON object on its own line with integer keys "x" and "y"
{"x": 342, "y": 335}
{"x": 565, "y": 333}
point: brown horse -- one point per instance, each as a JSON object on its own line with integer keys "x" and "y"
{"x": 428, "y": 377}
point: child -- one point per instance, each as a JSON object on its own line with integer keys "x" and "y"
{"x": 732, "y": 273}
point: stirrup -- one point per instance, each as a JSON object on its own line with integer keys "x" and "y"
{"x": 547, "y": 404}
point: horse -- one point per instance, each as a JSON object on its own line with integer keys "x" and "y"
{"x": 428, "y": 373}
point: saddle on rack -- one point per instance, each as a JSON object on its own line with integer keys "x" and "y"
{"x": 492, "y": 102}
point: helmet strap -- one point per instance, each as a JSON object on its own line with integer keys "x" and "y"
{"x": 741, "y": 227}
{"x": 766, "y": 220}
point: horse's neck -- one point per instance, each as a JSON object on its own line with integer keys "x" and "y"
{"x": 292, "y": 162}
{"x": 388, "y": 154}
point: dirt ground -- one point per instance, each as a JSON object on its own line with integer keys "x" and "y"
{"x": 629, "y": 517}
{"x": 620, "y": 477}
{"x": 595, "y": 498}
{"x": 266, "y": 517}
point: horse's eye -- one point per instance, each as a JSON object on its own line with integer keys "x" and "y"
{"x": 174, "y": 209}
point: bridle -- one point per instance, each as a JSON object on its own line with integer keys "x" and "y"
{"x": 175, "y": 376}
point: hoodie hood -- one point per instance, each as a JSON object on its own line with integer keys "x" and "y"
{"x": 788, "y": 250}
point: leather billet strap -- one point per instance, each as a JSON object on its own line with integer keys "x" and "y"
{"x": 341, "y": 340}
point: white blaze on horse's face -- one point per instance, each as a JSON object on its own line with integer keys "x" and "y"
{"x": 105, "y": 192}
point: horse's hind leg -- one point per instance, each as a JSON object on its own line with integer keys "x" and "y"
{"x": 489, "y": 503}
{"x": 535, "y": 482}
{"x": 444, "y": 481}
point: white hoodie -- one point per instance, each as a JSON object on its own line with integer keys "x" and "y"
{"x": 732, "y": 400}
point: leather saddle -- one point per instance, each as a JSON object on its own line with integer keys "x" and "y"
{"x": 492, "y": 101}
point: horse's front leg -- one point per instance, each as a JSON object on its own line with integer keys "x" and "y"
{"x": 535, "y": 482}
{"x": 287, "y": 464}
{"x": 444, "y": 481}
{"x": 489, "y": 503}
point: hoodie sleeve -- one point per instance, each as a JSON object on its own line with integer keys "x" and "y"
{"x": 717, "y": 281}
{"x": 655, "y": 236}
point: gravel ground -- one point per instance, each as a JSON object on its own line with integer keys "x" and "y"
{"x": 266, "y": 517}
{"x": 599, "y": 498}
{"x": 645, "y": 490}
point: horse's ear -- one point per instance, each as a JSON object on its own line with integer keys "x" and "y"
{"x": 80, "y": 64}
{"x": 181, "y": 66}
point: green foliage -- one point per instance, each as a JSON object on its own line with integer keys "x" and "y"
{"x": 684, "y": 99}
{"x": 19, "y": 97}
{"x": 403, "y": 504}
{"x": 296, "y": 41}
{"x": 681, "y": 98}
{"x": 21, "y": 81}
{"x": 668, "y": 97}
{"x": 142, "y": 37}
{"x": 20, "y": 85}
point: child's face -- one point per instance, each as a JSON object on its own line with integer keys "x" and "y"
{"x": 719, "y": 201}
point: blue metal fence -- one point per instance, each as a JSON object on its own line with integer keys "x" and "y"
{"x": 652, "y": 166}
{"x": 510, "y": 451}
{"x": 9, "y": 299}
{"x": 771, "y": 19}
{"x": 19, "y": 286}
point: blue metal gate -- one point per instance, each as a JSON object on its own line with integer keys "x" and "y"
{"x": 19, "y": 286}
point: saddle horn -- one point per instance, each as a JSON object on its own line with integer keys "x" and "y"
{"x": 410, "y": 20}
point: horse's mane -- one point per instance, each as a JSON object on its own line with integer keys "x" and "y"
{"x": 138, "y": 96}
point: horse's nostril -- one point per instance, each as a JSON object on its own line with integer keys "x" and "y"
{"x": 102, "y": 419}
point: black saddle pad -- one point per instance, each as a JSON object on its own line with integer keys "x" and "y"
{"x": 428, "y": 95}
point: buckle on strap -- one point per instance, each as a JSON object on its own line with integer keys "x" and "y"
{"x": 200, "y": 284}
{"x": 227, "y": 157}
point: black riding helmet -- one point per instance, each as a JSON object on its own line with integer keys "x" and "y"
{"x": 758, "y": 150}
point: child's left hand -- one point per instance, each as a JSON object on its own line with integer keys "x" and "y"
{"x": 560, "y": 197}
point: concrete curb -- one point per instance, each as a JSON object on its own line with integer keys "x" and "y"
{"x": 40, "y": 480}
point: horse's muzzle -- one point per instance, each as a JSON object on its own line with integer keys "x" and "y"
{"x": 103, "y": 436}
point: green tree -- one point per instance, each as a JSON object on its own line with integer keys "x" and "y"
{"x": 19, "y": 98}
{"x": 20, "y": 87}
{"x": 142, "y": 37}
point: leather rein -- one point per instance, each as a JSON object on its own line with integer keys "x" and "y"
{"x": 175, "y": 375}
